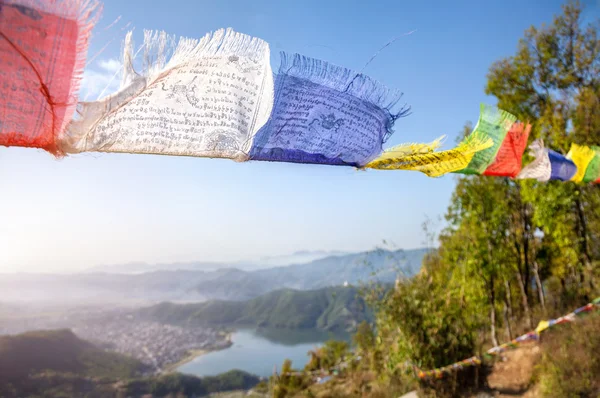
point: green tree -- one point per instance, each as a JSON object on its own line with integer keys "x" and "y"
{"x": 553, "y": 80}
{"x": 507, "y": 242}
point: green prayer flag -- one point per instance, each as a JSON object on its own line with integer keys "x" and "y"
{"x": 494, "y": 123}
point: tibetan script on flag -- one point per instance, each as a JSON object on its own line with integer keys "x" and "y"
{"x": 208, "y": 100}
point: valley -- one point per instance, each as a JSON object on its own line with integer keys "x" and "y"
{"x": 156, "y": 321}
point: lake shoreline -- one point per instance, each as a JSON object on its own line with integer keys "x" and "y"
{"x": 258, "y": 352}
{"x": 195, "y": 353}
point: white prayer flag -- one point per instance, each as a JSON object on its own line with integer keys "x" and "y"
{"x": 540, "y": 168}
{"x": 208, "y": 99}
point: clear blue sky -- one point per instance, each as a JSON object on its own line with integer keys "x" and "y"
{"x": 106, "y": 208}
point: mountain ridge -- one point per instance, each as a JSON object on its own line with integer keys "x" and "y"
{"x": 225, "y": 283}
{"x": 333, "y": 309}
{"x": 380, "y": 265}
{"x": 137, "y": 267}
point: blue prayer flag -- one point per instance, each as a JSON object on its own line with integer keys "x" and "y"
{"x": 562, "y": 168}
{"x": 325, "y": 114}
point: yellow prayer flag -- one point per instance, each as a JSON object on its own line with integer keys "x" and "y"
{"x": 543, "y": 325}
{"x": 421, "y": 157}
{"x": 409, "y": 149}
{"x": 581, "y": 155}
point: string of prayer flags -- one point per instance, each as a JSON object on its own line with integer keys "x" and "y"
{"x": 43, "y": 46}
{"x": 204, "y": 98}
{"x": 217, "y": 97}
{"x": 510, "y": 155}
{"x": 533, "y": 335}
{"x": 424, "y": 159}
{"x": 325, "y": 114}
{"x": 512, "y": 344}
{"x": 440, "y": 372}
{"x": 494, "y": 123}
{"x": 581, "y": 156}
{"x": 592, "y": 173}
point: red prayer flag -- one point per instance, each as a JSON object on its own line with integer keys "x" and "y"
{"x": 510, "y": 155}
{"x": 43, "y": 44}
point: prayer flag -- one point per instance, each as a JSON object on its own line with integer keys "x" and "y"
{"x": 510, "y": 155}
{"x": 207, "y": 100}
{"x": 43, "y": 45}
{"x": 592, "y": 173}
{"x": 562, "y": 168}
{"x": 494, "y": 123}
{"x": 325, "y": 114}
{"x": 582, "y": 156}
{"x": 422, "y": 158}
{"x": 540, "y": 168}
{"x": 543, "y": 325}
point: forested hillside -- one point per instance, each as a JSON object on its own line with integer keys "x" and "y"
{"x": 377, "y": 265}
{"x": 335, "y": 309}
{"x": 61, "y": 351}
{"x": 512, "y": 253}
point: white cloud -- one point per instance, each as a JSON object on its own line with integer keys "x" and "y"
{"x": 110, "y": 65}
{"x": 103, "y": 79}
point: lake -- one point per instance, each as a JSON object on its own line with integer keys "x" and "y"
{"x": 258, "y": 351}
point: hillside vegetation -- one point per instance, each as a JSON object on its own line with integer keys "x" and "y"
{"x": 189, "y": 386}
{"x": 60, "y": 351}
{"x": 570, "y": 363}
{"x": 334, "y": 309}
{"x": 56, "y": 363}
{"x": 511, "y": 254}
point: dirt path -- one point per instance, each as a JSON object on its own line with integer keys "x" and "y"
{"x": 512, "y": 377}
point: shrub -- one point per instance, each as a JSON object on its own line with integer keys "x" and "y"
{"x": 570, "y": 364}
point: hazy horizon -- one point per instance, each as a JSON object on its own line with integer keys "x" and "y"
{"x": 260, "y": 262}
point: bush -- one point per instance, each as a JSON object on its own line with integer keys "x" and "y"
{"x": 178, "y": 383}
{"x": 570, "y": 364}
{"x": 288, "y": 383}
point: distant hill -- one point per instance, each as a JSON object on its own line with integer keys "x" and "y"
{"x": 60, "y": 351}
{"x": 299, "y": 257}
{"x": 103, "y": 287}
{"x": 140, "y": 267}
{"x": 332, "y": 308}
{"x": 381, "y": 265}
{"x": 223, "y": 283}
